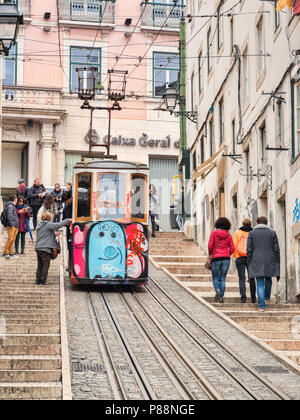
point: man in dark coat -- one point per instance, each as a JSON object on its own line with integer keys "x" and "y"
{"x": 36, "y": 196}
{"x": 263, "y": 253}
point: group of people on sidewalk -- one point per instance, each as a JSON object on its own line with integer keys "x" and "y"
{"x": 255, "y": 250}
{"x": 29, "y": 202}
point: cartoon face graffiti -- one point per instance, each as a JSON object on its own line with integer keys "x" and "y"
{"x": 107, "y": 251}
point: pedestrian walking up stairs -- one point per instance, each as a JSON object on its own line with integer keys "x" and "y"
{"x": 182, "y": 259}
{"x": 30, "y": 341}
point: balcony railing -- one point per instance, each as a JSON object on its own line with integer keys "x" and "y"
{"x": 24, "y": 6}
{"x": 29, "y": 96}
{"x": 87, "y": 10}
{"x": 155, "y": 14}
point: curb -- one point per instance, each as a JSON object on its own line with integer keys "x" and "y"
{"x": 66, "y": 372}
{"x": 286, "y": 362}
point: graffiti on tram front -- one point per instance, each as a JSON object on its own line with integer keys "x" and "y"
{"x": 110, "y": 250}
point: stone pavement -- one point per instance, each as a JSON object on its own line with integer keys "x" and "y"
{"x": 30, "y": 343}
{"x": 279, "y": 327}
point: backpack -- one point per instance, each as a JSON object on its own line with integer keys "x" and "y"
{"x": 242, "y": 244}
{"x": 4, "y": 219}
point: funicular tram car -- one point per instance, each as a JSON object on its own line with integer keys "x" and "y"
{"x": 110, "y": 239}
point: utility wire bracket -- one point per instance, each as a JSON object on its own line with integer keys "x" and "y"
{"x": 275, "y": 95}
{"x": 234, "y": 157}
{"x": 259, "y": 175}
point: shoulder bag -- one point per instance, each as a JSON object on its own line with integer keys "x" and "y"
{"x": 209, "y": 259}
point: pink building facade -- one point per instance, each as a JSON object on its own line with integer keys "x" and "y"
{"x": 45, "y": 130}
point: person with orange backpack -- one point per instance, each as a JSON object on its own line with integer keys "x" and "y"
{"x": 240, "y": 240}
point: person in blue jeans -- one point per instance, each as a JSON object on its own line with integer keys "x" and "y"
{"x": 263, "y": 253}
{"x": 220, "y": 248}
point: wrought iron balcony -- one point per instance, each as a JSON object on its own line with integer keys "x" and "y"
{"x": 87, "y": 10}
{"x": 24, "y": 6}
{"x": 155, "y": 14}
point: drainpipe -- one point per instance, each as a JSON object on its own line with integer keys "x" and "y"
{"x": 184, "y": 160}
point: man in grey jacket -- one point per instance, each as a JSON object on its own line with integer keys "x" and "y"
{"x": 12, "y": 226}
{"x": 45, "y": 242}
{"x": 263, "y": 253}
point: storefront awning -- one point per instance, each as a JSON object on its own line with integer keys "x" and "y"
{"x": 205, "y": 168}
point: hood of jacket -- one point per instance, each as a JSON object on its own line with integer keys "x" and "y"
{"x": 246, "y": 228}
{"x": 221, "y": 234}
{"x": 9, "y": 203}
{"x": 262, "y": 227}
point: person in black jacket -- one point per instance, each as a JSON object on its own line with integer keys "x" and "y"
{"x": 22, "y": 190}
{"x": 67, "y": 214}
{"x": 12, "y": 226}
{"x": 36, "y": 196}
{"x": 57, "y": 195}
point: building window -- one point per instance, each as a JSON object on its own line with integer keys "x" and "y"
{"x": 221, "y": 120}
{"x": 212, "y": 137}
{"x": 192, "y": 91}
{"x": 202, "y": 150}
{"x": 200, "y": 72}
{"x": 194, "y": 162}
{"x": 220, "y": 27}
{"x": 279, "y": 124}
{"x": 247, "y": 164}
{"x": 232, "y": 32}
{"x": 245, "y": 82}
{"x": 81, "y": 57}
{"x": 165, "y": 72}
{"x": 263, "y": 142}
{"x": 10, "y": 67}
{"x": 296, "y": 120}
{"x": 276, "y": 17}
{"x": 260, "y": 42}
{"x": 233, "y": 137}
{"x": 209, "y": 50}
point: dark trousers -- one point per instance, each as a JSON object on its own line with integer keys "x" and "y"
{"x": 44, "y": 259}
{"x": 242, "y": 266}
{"x": 21, "y": 235}
{"x": 153, "y": 224}
{"x": 35, "y": 210}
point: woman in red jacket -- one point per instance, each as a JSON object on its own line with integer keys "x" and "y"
{"x": 220, "y": 247}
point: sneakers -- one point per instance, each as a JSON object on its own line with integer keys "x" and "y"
{"x": 221, "y": 300}
{"x": 7, "y": 256}
{"x": 14, "y": 256}
{"x": 261, "y": 310}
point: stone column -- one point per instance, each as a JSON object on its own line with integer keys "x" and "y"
{"x": 47, "y": 141}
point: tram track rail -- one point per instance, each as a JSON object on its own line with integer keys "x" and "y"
{"x": 241, "y": 366}
{"x": 201, "y": 369}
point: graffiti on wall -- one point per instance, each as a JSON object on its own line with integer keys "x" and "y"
{"x": 296, "y": 212}
{"x": 110, "y": 250}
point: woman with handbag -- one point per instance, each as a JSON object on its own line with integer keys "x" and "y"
{"x": 46, "y": 244}
{"x": 220, "y": 249}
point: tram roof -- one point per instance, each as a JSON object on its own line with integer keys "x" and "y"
{"x": 111, "y": 164}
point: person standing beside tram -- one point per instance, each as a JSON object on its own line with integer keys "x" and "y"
{"x": 154, "y": 208}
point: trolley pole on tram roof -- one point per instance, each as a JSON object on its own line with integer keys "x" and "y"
{"x": 87, "y": 90}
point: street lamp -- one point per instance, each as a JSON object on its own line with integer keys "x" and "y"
{"x": 10, "y": 20}
{"x": 171, "y": 98}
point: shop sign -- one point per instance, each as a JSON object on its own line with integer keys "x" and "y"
{"x": 143, "y": 141}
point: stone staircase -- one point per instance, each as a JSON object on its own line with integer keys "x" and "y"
{"x": 30, "y": 342}
{"x": 181, "y": 258}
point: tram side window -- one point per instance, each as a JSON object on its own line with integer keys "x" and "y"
{"x": 84, "y": 187}
{"x": 138, "y": 199}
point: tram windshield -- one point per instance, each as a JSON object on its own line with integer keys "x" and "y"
{"x": 111, "y": 196}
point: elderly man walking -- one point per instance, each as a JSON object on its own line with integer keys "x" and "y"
{"x": 263, "y": 254}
